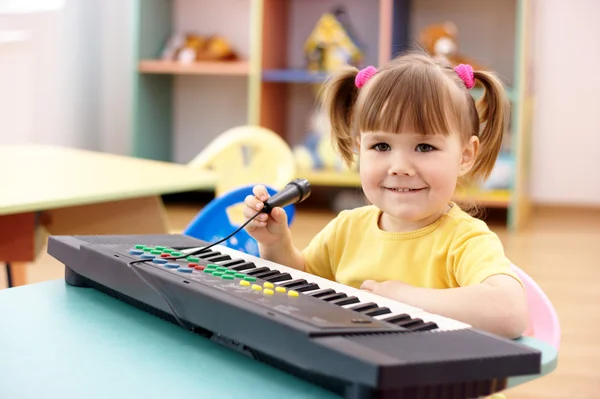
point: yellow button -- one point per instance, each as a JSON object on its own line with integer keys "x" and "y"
{"x": 268, "y": 291}
{"x": 256, "y": 287}
{"x": 280, "y": 289}
{"x": 292, "y": 293}
{"x": 268, "y": 285}
{"x": 245, "y": 283}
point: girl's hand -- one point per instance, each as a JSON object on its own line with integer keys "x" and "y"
{"x": 266, "y": 229}
{"x": 392, "y": 289}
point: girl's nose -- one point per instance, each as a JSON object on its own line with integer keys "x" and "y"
{"x": 401, "y": 166}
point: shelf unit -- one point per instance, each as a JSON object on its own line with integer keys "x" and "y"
{"x": 272, "y": 89}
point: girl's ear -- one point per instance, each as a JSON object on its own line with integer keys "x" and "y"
{"x": 469, "y": 155}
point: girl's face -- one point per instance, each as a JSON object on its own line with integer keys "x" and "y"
{"x": 412, "y": 177}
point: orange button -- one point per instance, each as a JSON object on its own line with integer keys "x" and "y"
{"x": 192, "y": 265}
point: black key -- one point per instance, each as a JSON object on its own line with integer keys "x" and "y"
{"x": 244, "y": 266}
{"x": 364, "y": 306}
{"x": 410, "y": 323}
{"x": 278, "y": 277}
{"x": 266, "y": 274}
{"x": 231, "y": 262}
{"x": 321, "y": 293}
{"x": 424, "y": 327}
{"x": 306, "y": 287}
{"x": 217, "y": 258}
{"x": 346, "y": 301}
{"x": 397, "y": 318}
{"x": 332, "y": 297}
{"x": 208, "y": 254}
{"x": 378, "y": 311}
{"x": 293, "y": 283}
{"x": 258, "y": 270}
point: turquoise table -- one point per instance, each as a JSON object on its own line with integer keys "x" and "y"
{"x": 67, "y": 342}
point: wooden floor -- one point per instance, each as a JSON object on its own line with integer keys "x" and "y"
{"x": 560, "y": 250}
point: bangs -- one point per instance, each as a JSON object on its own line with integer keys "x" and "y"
{"x": 411, "y": 100}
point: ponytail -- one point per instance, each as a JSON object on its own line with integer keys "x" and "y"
{"x": 494, "y": 111}
{"x": 339, "y": 95}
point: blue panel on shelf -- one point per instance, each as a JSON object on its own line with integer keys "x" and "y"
{"x": 293, "y": 76}
{"x": 401, "y": 40}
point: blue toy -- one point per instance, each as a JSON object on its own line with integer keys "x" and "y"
{"x": 212, "y": 223}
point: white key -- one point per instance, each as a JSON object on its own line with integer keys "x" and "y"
{"x": 397, "y": 308}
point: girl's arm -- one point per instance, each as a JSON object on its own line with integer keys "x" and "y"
{"x": 497, "y": 305}
{"x": 284, "y": 253}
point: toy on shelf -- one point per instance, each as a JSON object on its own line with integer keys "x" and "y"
{"x": 317, "y": 153}
{"x": 441, "y": 40}
{"x": 330, "y": 44}
{"x": 190, "y": 47}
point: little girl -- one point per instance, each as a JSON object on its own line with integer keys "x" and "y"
{"x": 417, "y": 131}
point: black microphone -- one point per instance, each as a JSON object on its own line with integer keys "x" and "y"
{"x": 295, "y": 191}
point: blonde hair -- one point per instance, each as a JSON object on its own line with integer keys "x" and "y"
{"x": 416, "y": 93}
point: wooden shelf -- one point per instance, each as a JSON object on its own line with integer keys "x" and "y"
{"x": 490, "y": 199}
{"x": 228, "y": 68}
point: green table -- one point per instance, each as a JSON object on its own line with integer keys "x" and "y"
{"x": 58, "y": 341}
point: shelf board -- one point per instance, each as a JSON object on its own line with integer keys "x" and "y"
{"x": 227, "y": 68}
{"x": 293, "y": 76}
{"x": 489, "y": 198}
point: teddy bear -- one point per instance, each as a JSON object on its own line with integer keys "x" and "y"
{"x": 441, "y": 40}
{"x": 191, "y": 47}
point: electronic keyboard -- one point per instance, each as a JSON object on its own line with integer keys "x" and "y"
{"x": 354, "y": 343}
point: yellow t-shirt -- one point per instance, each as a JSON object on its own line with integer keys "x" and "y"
{"x": 456, "y": 250}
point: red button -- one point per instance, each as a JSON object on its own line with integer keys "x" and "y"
{"x": 199, "y": 268}
{"x": 192, "y": 264}
{"x": 165, "y": 255}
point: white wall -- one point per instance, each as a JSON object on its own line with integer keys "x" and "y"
{"x": 69, "y": 82}
{"x": 566, "y": 132}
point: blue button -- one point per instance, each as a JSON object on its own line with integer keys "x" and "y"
{"x": 147, "y": 256}
{"x": 172, "y": 265}
{"x": 135, "y": 252}
{"x": 184, "y": 270}
{"x": 160, "y": 261}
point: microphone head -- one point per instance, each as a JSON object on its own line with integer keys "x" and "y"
{"x": 303, "y": 186}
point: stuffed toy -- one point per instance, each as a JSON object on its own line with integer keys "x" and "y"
{"x": 318, "y": 152}
{"x": 192, "y": 47}
{"x": 441, "y": 40}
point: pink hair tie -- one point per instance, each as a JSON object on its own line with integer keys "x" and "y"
{"x": 465, "y": 73}
{"x": 364, "y": 75}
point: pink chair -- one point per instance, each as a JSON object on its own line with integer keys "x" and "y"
{"x": 544, "y": 323}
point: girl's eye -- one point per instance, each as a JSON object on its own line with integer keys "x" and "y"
{"x": 381, "y": 147}
{"x": 424, "y": 148}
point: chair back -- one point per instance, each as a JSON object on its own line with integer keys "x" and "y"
{"x": 213, "y": 222}
{"x": 247, "y": 154}
{"x": 544, "y": 324}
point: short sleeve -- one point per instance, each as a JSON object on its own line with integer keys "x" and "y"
{"x": 476, "y": 255}
{"x": 319, "y": 255}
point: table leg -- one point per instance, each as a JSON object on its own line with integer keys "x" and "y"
{"x": 16, "y": 273}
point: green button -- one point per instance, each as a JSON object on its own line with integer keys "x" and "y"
{"x": 139, "y": 246}
{"x": 250, "y": 278}
{"x": 167, "y": 250}
{"x": 148, "y": 249}
{"x": 176, "y": 253}
{"x": 222, "y": 269}
{"x": 218, "y": 274}
{"x": 240, "y": 275}
{"x": 227, "y": 277}
{"x": 160, "y": 248}
{"x": 193, "y": 260}
{"x": 156, "y": 252}
{"x": 230, "y": 272}
{"x": 208, "y": 271}
{"x": 212, "y": 266}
